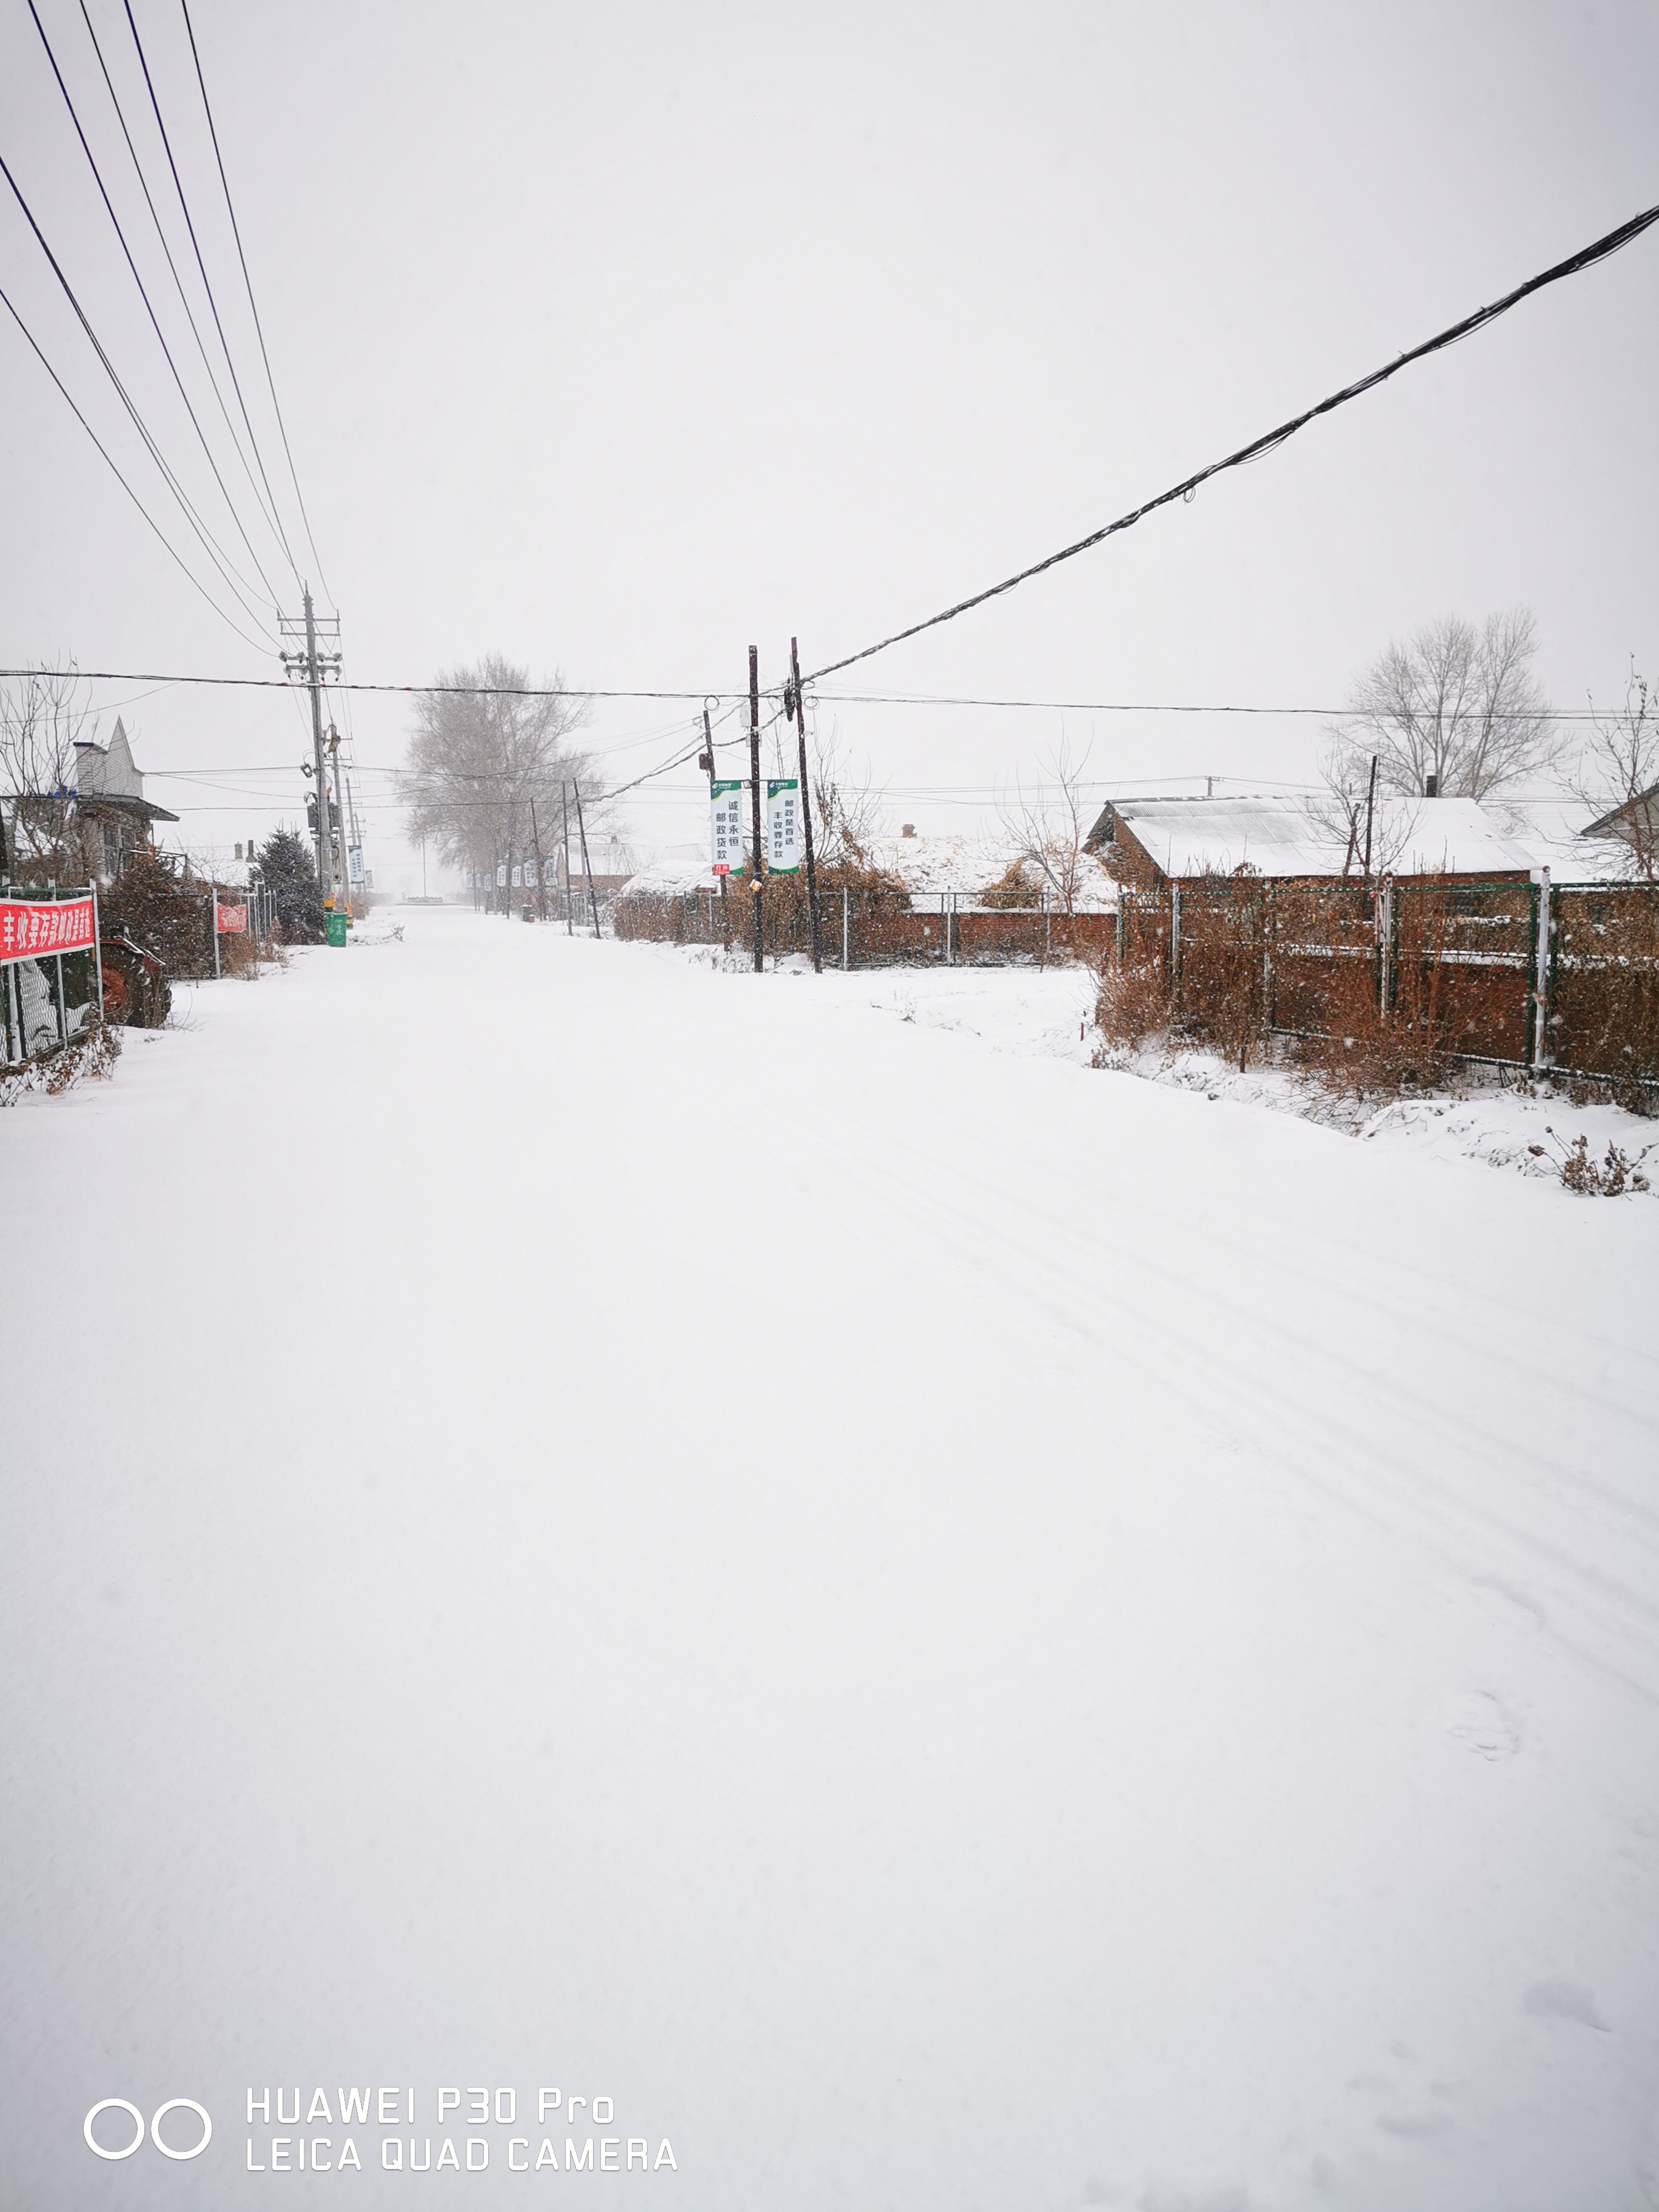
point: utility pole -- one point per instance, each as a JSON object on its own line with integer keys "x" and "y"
{"x": 308, "y": 666}
{"x": 805, "y": 806}
{"x": 1370, "y": 803}
{"x": 341, "y": 861}
{"x": 587, "y": 870}
{"x": 754, "y": 796}
{"x": 541, "y": 864}
{"x": 708, "y": 762}
{"x": 355, "y": 843}
{"x": 314, "y": 682}
{"x": 564, "y": 801}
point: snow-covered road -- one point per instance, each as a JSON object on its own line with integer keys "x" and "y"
{"x": 944, "y": 1628}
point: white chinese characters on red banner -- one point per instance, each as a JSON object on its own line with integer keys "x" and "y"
{"x": 32, "y": 929}
{"x": 231, "y": 920}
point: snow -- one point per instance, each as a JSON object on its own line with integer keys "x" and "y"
{"x": 1550, "y": 829}
{"x": 947, "y": 1626}
{"x": 1281, "y": 838}
{"x": 929, "y": 867}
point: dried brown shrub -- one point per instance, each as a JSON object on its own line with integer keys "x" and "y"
{"x": 1012, "y": 887}
{"x": 1604, "y": 1016}
{"x": 1353, "y": 1041}
{"x": 162, "y": 911}
{"x": 1221, "y": 995}
{"x": 1133, "y": 1002}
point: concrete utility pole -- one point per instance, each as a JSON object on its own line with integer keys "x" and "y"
{"x": 314, "y": 679}
{"x": 338, "y": 852}
{"x": 308, "y": 666}
{"x": 754, "y": 796}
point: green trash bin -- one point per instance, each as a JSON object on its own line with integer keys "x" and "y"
{"x": 337, "y": 929}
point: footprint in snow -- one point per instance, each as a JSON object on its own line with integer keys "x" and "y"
{"x": 1477, "y": 1719}
{"x": 1564, "y": 2001}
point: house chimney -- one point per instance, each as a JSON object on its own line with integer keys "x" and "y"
{"x": 1431, "y": 787}
{"x": 908, "y": 830}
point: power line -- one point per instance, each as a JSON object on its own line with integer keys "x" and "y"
{"x": 210, "y": 544}
{"x": 401, "y": 691}
{"x": 730, "y": 701}
{"x": 208, "y": 286}
{"x": 1146, "y": 706}
{"x": 173, "y": 552}
{"x": 1585, "y": 259}
{"x": 178, "y": 281}
{"x": 248, "y": 281}
{"x": 161, "y": 338}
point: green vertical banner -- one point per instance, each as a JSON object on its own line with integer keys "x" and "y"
{"x": 783, "y": 824}
{"x": 725, "y": 826}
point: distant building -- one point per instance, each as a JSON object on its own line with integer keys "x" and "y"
{"x": 109, "y": 809}
{"x": 1282, "y": 838}
{"x": 1635, "y": 825}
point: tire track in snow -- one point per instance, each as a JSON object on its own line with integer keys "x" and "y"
{"x": 1073, "y": 1292}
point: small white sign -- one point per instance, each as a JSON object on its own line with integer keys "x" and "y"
{"x": 518, "y": 876}
{"x": 530, "y": 873}
{"x": 783, "y": 824}
{"x": 725, "y": 826}
{"x": 500, "y": 875}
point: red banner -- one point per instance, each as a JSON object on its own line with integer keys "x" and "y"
{"x": 231, "y": 920}
{"x": 33, "y": 929}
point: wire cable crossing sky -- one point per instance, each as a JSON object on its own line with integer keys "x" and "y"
{"x": 1586, "y": 258}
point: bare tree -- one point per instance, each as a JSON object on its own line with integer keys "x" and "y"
{"x": 480, "y": 752}
{"x": 1455, "y": 704}
{"x": 1049, "y": 829}
{"x": 1370, "y": 825}
{"x": 1618, "y": 773}
{"x": 847, "y": 811}
{"x": 1343, "y": 808}
{"x": 44, "y": 714}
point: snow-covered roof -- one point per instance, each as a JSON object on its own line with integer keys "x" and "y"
{"x": 969, "y": 866}
{"x": 1552, "y": 830}
{"x": 107, "y": 771}
{"x": 668, "y": 871}
{"x": 1284, "y": 837}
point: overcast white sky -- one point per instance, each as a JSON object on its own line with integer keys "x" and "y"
{"x": 614, "y": 338}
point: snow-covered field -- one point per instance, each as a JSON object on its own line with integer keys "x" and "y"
{"x": 947, "y": 1628}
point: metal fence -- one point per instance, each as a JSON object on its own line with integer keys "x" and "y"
{"x": 1522, "y": 974}
{"x": 859, "y": 928}
{"x": 47, "y": 1001}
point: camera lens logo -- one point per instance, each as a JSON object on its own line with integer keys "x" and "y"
{"x": 173, "y": 2105}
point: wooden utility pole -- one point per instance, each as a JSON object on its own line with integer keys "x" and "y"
{"x": 754, "y": 796}
{"x": 806, "y": 807}
{"x": 592, "y": 900}
{"x": 708, "y": 756}
{"x": 541, "y": 864}
{"x": 1370, "y": 805}
{"x": 564, "y": 801}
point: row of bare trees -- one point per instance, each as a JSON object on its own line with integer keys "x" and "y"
{"x": 1458, "y": 711}
{"x": 490, "y": 758}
